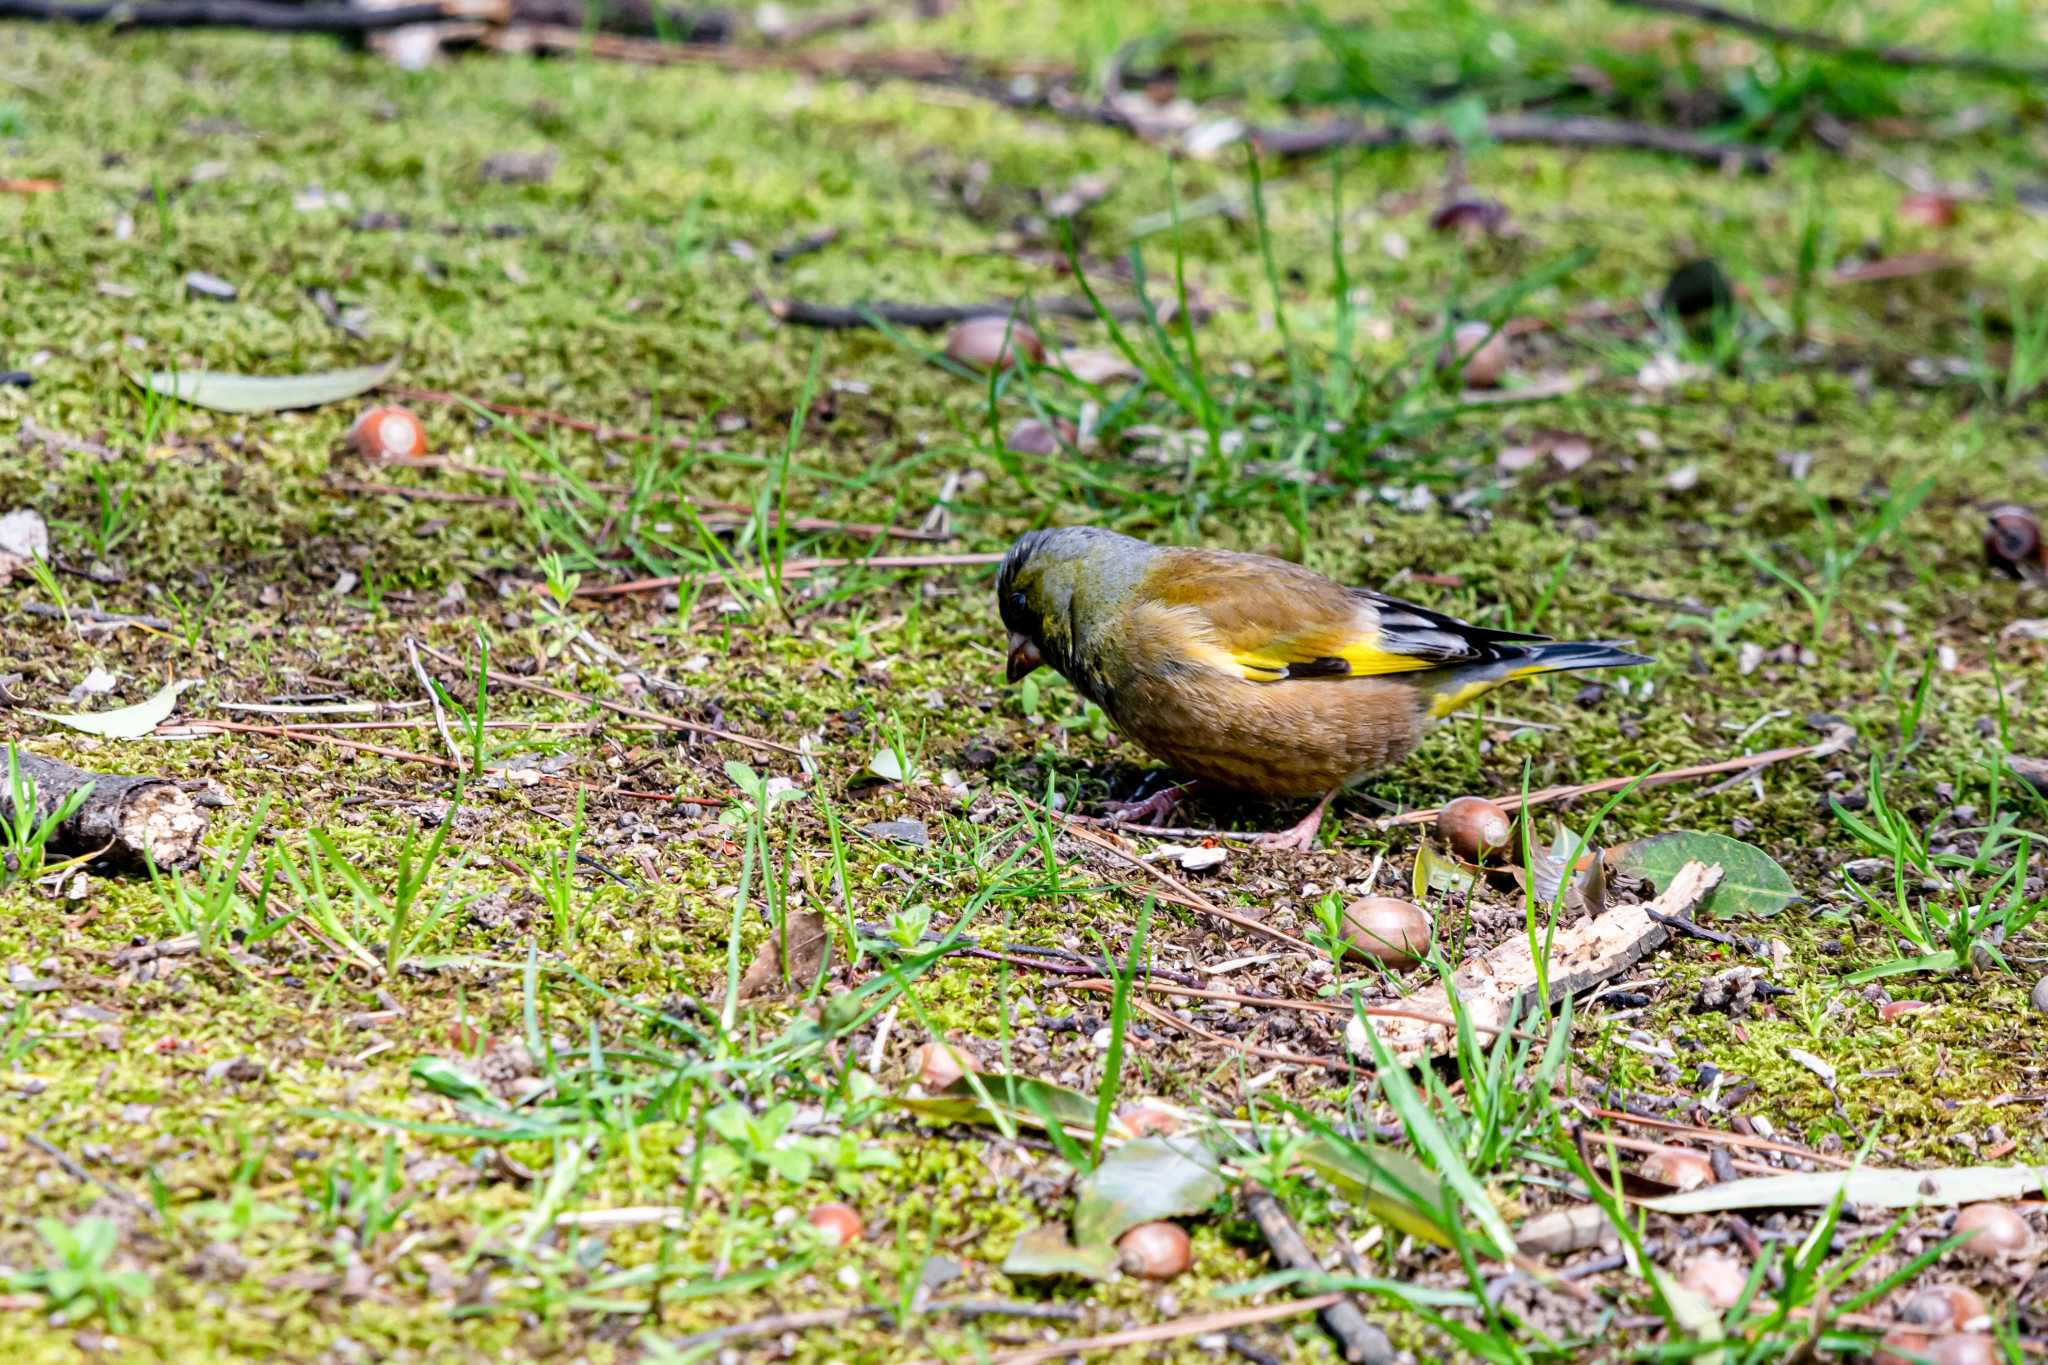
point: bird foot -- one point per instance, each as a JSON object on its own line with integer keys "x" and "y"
{"x": 1297, "y": 838}
{"x": 1153, "y": 810}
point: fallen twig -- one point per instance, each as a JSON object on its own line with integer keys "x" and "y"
{"x": 803, "y": 568}
{"x": 419, "y": 670}
{"x": 1583, "y": 131}
{"x": 666, "y": 722}
{"x": 927, "y": 316}
{"x": 1183, "y": 894}
{"x": 1971, "y": 63}
{"x": 45, "y": 611}
{"x": 256, "y": 15}
{"x": 132, "y": 821}
{"x": 81, "y": 1174}
{"x": 1201, "y": 1324}
{"x": 1360, "y": 1341}
{"x": 1726, "y": 1139}
{"x": 1837, "y": 740}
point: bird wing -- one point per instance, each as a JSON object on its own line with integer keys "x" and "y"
{"x": 1270, "y": 621}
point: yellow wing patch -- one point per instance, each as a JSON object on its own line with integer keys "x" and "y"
{"x": 1302, "y": 659}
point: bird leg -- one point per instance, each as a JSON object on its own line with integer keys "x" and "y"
{"x": 1154, "y": 809}
{"x": 1300, "y": 837}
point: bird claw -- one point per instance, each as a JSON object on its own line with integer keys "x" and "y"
{"x": 1153, "y": 810}
{"x": 1298, "y": 839}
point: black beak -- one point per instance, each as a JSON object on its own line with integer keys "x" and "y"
{"x": 1024, "y": 657}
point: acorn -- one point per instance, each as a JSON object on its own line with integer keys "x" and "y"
{"x": 1893, "y": 1009}
{"x": 993, "y": 343}
{"x": 2013, "y": 545}
{"x": 838, "y": 1222}
{"x": 1150, "y": 1118}
{"x": 1927, "y": 210}
{"x": 1905, "y": 1346}
{"x": 1993, "y": 1231}
{"x": 1484, "y": 351}
{"x": 1470, "y": 217}
{"x": 1154, "y": 1251}
{"x": 1392, "y": 931}
{"x": 388, "y": 433}
{"x": 1719, "y": 1280}
{"x": 1474, "y": 828}
{"x": 1679, "y": 1167}
{"x": 940, "y": 1063}
{"x": 1942, "y": 1308}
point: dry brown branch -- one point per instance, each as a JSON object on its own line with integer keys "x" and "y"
{"x": 129, "y": 821}
{"x": 1969, "y": 63}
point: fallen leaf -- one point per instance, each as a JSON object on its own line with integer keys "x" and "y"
{"x": 1098, "y": 367}
{"x": 1882, "y": 1188}
{"x": 124, "y": 722}
{"x": 1044, "y": 1250}
{"x": 224, "y": 392}
{"x": 1143, "y": 1181}
{"x": 1694, "y": 1313}
{"x": 809, "y": 948}
{"x": 1023, "y": 1098}
{"x": 1751, "y": 885}
{"x": 24, "y": 536}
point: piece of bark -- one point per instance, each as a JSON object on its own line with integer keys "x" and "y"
{"x": 1498, "y": 986}
{"x": 1357, "y": 1339}
{"x": 809, "y": 949}
{"x": 126, "y": 821}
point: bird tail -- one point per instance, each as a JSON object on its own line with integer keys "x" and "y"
{"x": 1461, "y": 686}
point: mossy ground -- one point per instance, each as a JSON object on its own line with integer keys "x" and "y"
{"x": 625, "y": 291}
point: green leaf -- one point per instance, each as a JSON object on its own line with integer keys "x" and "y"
{"x": 124, "y": 722}
{"x": 1022, "y": 1098}
{"x": 1880, "y": 1188}
{"x": 1751, "y": 884}
{"x": 1393, "y": 1186}
{"x": 1045, "y": 1250}
{"x": 224, "y": 392}
{"x": 1947, "y": 960}
{"x": 1143, "y": 1182}
{"x": 1430, "y": 1138}
{"x": 444, "y": 1077}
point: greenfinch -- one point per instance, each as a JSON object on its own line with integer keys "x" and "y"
{"x": 1250, "y": 673}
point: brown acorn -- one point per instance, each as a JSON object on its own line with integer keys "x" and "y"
{"x": 1679, "y": 1167}
{"x": 993, "y": 343}
{"x": 2013, "y": 544}
{"x": 837, "y": 1221}
{"x": 388, "y": 433}
{"x": 1391, "y": 930}
{"x": 1993, "y": 1231}
{"x": 1470, "y": 217}
{"x": 1154, "y": 1251}
{"x": 1942, "y": 1308}
{"x": 1484, "y": 351}
{"x": 1719, "y": 1280}
{"x": 940, "y": 1063}
{"x": 1474, "y": 828}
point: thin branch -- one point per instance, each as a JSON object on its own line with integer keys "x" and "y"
{"x": 666, "y": 722}
{"x": 1970, "y": 63}
{"x": 1201, "y": 1324}
{"x": 1834, "y": 743}
{"x": 803, "y": 568}
{"x": 246, "y": 14}
{"x": 928, "y": 316}
{"x": 1517, "y": 129}
{"x": 419, "y": 670}
{"x": 1362, "y": 1343}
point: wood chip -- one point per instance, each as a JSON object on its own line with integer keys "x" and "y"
{"x": 1498, "y": 986}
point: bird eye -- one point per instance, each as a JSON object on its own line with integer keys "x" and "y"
{"x": 1017, "y": 600}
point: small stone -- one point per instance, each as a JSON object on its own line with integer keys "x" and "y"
{"x": 912, "y": 832}
{"x": 520, "y": 168}
{"x": 201, "y": 285}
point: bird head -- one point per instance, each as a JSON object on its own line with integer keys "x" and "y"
{"x": 1049, "y": 582}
